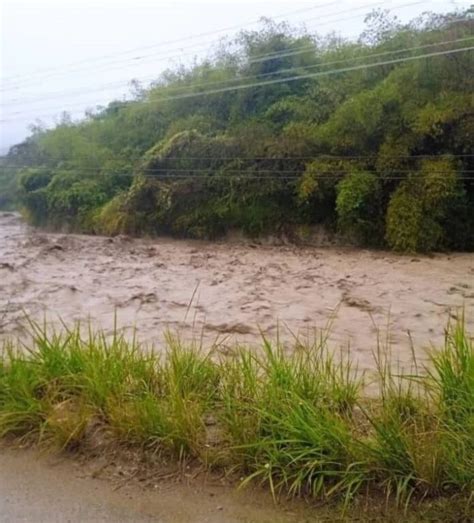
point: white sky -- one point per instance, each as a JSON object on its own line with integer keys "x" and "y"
{"x": 105, "y": 37}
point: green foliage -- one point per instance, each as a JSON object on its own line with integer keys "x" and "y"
{"x": 358, "y": 206}
{"x": 266, "y": 158}
{"x": 8, "y": 186}
{"x": 70, "y": 199}
{"x": 406, "y": 225}
{"x": 429, "y": 210}
{"x": 297, "y": 421}
{"x": 316, "y": 190}
{"x": 33, "y": 179}
{"x": 131, "y": 212}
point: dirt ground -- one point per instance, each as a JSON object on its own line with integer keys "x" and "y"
{"x": 228, "y": 291}
{"x": 43, "y": 487}
{"x": 36, "y": 488}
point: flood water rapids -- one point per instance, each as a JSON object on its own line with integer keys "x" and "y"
{"x": 221, "y": 293}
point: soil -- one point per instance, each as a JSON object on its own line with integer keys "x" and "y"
{"x": 39, "y": 488}
{"x": 227, "y": 292}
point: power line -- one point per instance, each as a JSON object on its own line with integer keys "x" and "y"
{"x": 266, "y": 177}
{"x": 135, "y": 60}
{"x": 283, "y": 80}
{"x": 315, "y": 75}
{"x": 280, "y": 71}
{"x": 322, "y": 157}
{"x": 253, "y": 176}
{"x": 177, "y": 41}
{"x": 179, "y": 172}
{"x": 250, "y": 177}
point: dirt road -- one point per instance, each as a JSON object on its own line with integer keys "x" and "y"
{"x": 229, "y": 291}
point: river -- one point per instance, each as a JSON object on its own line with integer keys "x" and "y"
{"x": 227, "y": 292}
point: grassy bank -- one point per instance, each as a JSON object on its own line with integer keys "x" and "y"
{"x": 298, "y": 422}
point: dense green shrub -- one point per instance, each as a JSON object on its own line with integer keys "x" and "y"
{"x": 407, "y": 228}
{"x": 33, "y": 179}
{"x": 429, "y": 210}
{"x": 133, "y": 211}
{"x": 358, "y": 206}
{"x": 316, "y": 191}
{"x": 71, "y": 199}
{"x": 35, "y": 205}
{"x": 8, "y": 191}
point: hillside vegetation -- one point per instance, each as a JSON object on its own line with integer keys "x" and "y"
{"x": 8, "y": 187}
{"x": 380, "y": 154}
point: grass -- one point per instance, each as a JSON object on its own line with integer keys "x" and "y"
{"x": 298, "y": 422}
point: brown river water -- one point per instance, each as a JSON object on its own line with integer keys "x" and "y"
{"x": 228, "y": 292}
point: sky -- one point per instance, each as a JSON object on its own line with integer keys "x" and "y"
{"x": 73, "y": 55}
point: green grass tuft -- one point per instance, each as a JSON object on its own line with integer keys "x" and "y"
{"x": 297, "y": 421}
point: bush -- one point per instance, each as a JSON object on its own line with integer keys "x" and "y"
{"x": 133, "y": 211}
{"x": 8, "y": 188}
{"x": 35, "y": 206}
{"x": 359, "y": 208}
{"x": 426, "y": 211}
{"x": 34, "y": 179}
{"x": 316, "y": 191}
{"x": 406, "y": 226}
{"x": 71, "y": 199}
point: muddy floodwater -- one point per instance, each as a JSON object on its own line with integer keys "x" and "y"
{"x": 229, "y": 291}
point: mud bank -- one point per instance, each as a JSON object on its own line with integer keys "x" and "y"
{"x": 228, "y": 292}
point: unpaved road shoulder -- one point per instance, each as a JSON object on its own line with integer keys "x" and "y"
{"x": 39, "y": 489}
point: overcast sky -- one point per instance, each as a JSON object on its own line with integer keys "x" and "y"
{"x": 73, "y": 54}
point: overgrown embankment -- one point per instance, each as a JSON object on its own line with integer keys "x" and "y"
{"x": 298, "y": 422}
{"x": 279, "y": 130}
